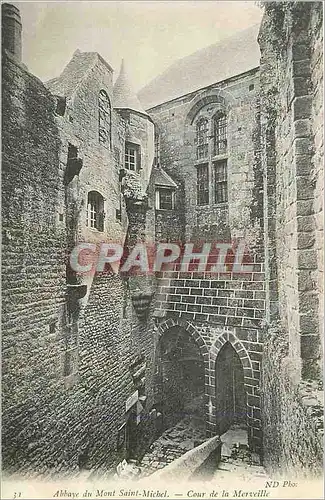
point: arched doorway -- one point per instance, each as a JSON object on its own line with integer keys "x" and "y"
{"x": 181, "y": 378}
{"x": 230, "y": 389}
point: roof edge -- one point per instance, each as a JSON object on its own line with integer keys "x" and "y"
{"x": 202, "y": 88}
{"x": 136, "y": 112}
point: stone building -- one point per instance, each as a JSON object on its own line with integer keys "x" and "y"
{"x": 226, "y": 146}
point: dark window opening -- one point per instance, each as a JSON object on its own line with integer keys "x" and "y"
{"x": 61, "y": 103}
{"x": 202, "y": 185}
{"x": 220, "y": 134}
{"x": 74, "y": 164}
{"x": 72, "y": 152}
{"x": 68, "y": 364}
{"x": 52, "y": 327}
{"x": 95, "y": 211}
{"x": 251, "y": 87}
{"x": 221, "y": 184}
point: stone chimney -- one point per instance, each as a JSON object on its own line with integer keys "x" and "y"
{"x": 11, "y": 30}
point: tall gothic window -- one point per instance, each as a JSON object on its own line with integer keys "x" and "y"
{"x": 202, "y": 138}
{"x": 211, "y": 159}
{"x": 220, "y": 134}
{"x": 202, "y": 184}
{"x": 220, "y": 181}
{"x": 104, "y": 109}
{"x": 95, "y": 211}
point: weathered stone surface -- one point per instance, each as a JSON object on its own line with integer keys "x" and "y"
{"x": 293, "y": 190}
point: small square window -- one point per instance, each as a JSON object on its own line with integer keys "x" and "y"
{"x": 132, "y": 157}
{"x": 165, "y": 199}
{"x": 251, "y": 87}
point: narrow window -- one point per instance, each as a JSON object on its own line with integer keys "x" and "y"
{"x": 95, "y": 211}
{"x": 72, "y": 152}
{"x": 68, "y": 366}
{"x": 157, "y": 149}
{"x": 202, "y": 185}
{"x": 165, "y": 199}
{"x": 220, "y": 134}
{"x": 132, "y": 157}
{"x": 202, "y": 138}
{"x": 221, "y": 184}
{"x": 104, "y": 110}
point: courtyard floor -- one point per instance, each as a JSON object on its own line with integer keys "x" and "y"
{"x": 236, "y": 459}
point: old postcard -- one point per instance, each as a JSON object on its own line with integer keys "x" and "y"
{"x": 162, "y": 250}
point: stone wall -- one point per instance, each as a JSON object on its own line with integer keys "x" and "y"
{"x": 33, "y": 272}
{"x": 291, "y": 150}
{"x": 66, "y": 373}
{"x": 210, "y": 340}
{"x": 227, "y": 300}
{"x": 170, "y": 224}
{"x": 178, "y": 157}
{"x": 219, "y": 299}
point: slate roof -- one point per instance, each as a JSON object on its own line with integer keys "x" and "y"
{"x": 124, "y": 97}
{"x": 225, "y": 59}
{"x": 74, "y": 72}
{"x": 161, "y": 178}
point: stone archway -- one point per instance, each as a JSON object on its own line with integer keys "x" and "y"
{"x": 230, "y": 389}
{"x": 182, "y": 362}
{"x": 221, "y": 97}
{"x": 250, "y": 386}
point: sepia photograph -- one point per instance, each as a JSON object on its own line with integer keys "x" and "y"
{"x": 162, "y": 250}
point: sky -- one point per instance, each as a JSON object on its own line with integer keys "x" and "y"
{"x": 149, "y": 35}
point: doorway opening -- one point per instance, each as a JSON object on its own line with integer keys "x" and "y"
{"x": 230, "y": 390}
{"x": 181, "y": 377}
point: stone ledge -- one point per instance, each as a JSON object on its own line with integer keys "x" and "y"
{"x": 190, "y": 462}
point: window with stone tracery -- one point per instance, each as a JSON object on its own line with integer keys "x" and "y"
{"x": 211, "y": 156}
{"x": 202, "y": 184}
{"x": 220, "y": 134}
{"x": 220, "y": 181}
{"x": 202, "y": 138}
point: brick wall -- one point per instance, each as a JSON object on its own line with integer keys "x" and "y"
{"x": 230, "y": 299}
{"x": 290, "y": 82}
